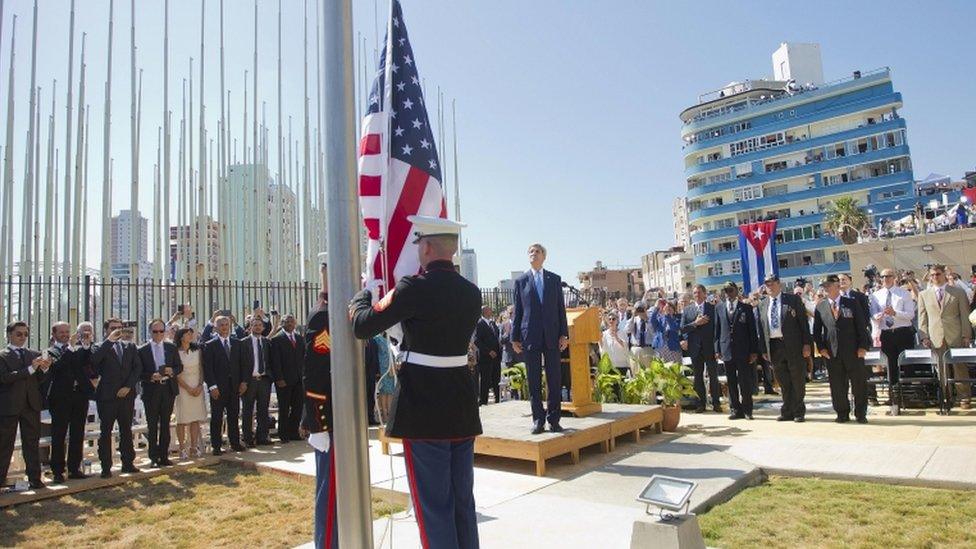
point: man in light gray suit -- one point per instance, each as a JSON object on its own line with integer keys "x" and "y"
{"x": 786, "y": 344}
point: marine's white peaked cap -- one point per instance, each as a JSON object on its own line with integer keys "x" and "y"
{"x": 433, "y": 226}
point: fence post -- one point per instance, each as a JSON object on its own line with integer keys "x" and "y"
{"x": 86, "y": 291}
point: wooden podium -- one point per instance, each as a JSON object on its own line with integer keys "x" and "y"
{"x": 584, "y": 329}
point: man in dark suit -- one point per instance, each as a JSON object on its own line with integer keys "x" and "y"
{"x": 288, "y": 362}
{"x": 540, "y": 333}
{"x": 68, "y": 392}
{"x": 841, "y": 333}
{"x": 22, "y": 371}
{"x": 786, "y": 344}
{"x": 118, "y": 367}
{"x": 257, "y": 373}
{"x": 737, "y": 344}
{"x": 223, "y": 373}
{"x": 489, "y": 355}
{"x": 698, "y": 329}
{"x": 160, "y": 366}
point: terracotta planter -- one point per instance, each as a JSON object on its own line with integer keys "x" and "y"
{"x": 672, "y": 415}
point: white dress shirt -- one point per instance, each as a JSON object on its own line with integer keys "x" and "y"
{"x": 159, "y": 354}
{"x": 633, "y": 328}
{"x": 255, "y": 346}
{"x": 901, "y": 302}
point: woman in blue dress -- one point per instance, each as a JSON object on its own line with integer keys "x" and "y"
{"x": 667, "y": 333}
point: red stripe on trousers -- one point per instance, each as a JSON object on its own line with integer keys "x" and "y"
{"x": 408, "y": 204}
{"x": 412, "y": 478}
{"x": 330, "y": 516}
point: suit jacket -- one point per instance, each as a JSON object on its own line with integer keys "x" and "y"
{"x": 735, "y": 334}
{"x": 116, "y": 373}
{"x": 945, "y": 326}
{"x": 68, "y": 374}
{"x": 19, "y": 389}
{"x": 792, "y": 321}
{"x": 862, "y": 299}
{"x": 220, "y": 370}
{"x": 248, "y": 359}
{"x": 845, "y": 334}
{"x": 701, "y": 339}
{"x": 288, "y": 359}
{"x": 538, "y": 324}
{"x": 171, "y": 358}
{"x": 486, "y": 340}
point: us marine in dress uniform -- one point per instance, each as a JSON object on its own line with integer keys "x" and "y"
{"x": 317, "y": 417}
{"x": 435, "y": 406}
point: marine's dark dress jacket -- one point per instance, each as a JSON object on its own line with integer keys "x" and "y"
{"x": 438, "y": 311}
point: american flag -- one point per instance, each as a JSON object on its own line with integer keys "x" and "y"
{"x": 399, "y": 170}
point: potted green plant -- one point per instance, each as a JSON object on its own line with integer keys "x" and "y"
{"x": 672, "y": 384}
{"x": 516, "y": 376}
{"x": 641, "y": 389}
{"x": 607, "y": 382}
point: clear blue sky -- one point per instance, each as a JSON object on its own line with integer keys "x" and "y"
{"x": 568, "y": 111}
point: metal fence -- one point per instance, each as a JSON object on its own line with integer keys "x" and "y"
{"x": 41, "y": 301}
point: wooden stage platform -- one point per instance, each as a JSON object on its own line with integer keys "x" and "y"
{"x": 507, "y": 425}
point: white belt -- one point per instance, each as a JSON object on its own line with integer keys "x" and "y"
{"x": 433, "y": 361}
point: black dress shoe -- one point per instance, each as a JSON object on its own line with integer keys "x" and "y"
{"x": 736, "y": 416}
{"x": 77, "y": 475}
{"x": 538, "y": 428}
{"x": 555, "y": 428}
{"x": 784, "y": 418}
{"x": 798, "y": 419}
{"x": 153, "y": 464}
{"x": 130, "y": 469}
{"x": 106, "y": 473}
{"x": 771, "y": 392}
{"x": 265, "y": 443}
{"x": 57, "y": 478}
{"x": 284, "y": 440}
{"x": 717, "y": 408}
{"x": 862, "y": 420}
{"x": 238, "y": 448}
{"x": 842, "y": 419}
{"x": 37, "y": 484}
{"x": 218, "y": 452}
{"x": 700, "y": 410}
{"x": 166, "y": 463}
{"x": 749, "y": 416}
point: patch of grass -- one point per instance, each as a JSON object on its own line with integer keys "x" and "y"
{"x": 803, "y": 512}
{"x": 218, "y": 506}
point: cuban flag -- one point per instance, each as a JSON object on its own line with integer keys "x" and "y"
{"x": 757, "y": 245}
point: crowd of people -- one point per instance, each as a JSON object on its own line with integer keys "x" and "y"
{"x": 790, "y": 336}
{"x": 221, "y": 375}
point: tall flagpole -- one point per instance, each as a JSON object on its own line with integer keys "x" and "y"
{"x": 78, "y": 260}
{"x": 106, "y": 269}
{"x": 49, "y": 184}
{"x": 279, "y": 188}
{"x": 67, "y": 145}
{"x": 223, "y": 191}
{"x": 6, "y": 243}
{"x": 202, "y": 240}
{"x": 26, "y": 262}
{"x": 165, "y": 167}
{"x": 136, "y": 226}
{"x": 308, "y": 253}
{"x": 349, "y": 405}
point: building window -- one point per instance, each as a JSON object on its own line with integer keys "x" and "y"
{"x": 841, "y": 256}
{"x": 747, "y": 193}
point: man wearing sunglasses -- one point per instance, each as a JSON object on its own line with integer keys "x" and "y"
{"x": 160, "y": 366}
{"x": 893, "y": 310}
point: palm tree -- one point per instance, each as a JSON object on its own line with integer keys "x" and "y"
{"x": 845, "y": 219}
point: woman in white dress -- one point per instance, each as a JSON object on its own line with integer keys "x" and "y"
{"x": 190, "y": 406}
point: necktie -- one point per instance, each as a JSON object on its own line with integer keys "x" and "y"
{"x": 260, "y": 358}
{"x": 939, "y": 296}
{"x": 774, "y": 314}
{"x": 292, "y": 338}
{"x": 889, "y": 322}
{"x": 834, "y": 309}
{"x": 538, "y": 284}
{"x": 641, "y": 332}
{"x": 731, "y": 310}
{"x": 227, "y": 348}
{"x": 118, "y": 350}
{"x": 23, "y": 357}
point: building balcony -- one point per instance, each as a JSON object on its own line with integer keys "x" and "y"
{"x": 807, "y": 169}
{"x": 815, "y": 192}
{"x": 802, "y": 145}
{"x": 786, "y": 275}
{"x": 844, "y": 109}
{"x": 694, "y": 124}
{"x": 781, "y": 248}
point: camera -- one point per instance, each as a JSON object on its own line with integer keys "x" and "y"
{"x": 800, "y": 283}
{"x": 871, "y": 273}
{"x": 130, "y": 324}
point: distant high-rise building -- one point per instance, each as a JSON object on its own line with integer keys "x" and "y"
{"x": 785, "y": 149}
{"x": 123, "y": 231}
{"x": 185, "y": 245}
{"x": 469, "y": 265}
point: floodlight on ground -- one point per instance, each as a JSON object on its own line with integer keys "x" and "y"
{"x": 667, "y": 494}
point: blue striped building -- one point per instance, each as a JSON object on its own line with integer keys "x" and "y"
{"x": 785, "y": 149}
